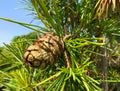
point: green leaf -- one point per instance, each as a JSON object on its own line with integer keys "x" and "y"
{"x": 29, "y": 26}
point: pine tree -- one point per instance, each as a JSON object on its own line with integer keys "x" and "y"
{"x": 72, "y": 52}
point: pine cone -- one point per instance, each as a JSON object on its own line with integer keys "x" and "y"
{"x": 45, "y": 51}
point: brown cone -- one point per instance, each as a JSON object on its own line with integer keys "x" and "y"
{"x": 45, "y": 51}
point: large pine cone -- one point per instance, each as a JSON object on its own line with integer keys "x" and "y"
{"x": 45, "y": 51}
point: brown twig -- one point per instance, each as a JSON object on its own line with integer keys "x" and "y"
{"x": 73, "y": 35}
{"x": 67, "y": 36}
{"x": 68, "y": 60}
{"x": 81, "y": 30}
{"x": 65, "y": 30}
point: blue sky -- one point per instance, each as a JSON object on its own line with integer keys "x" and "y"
{"x": 11, "y": 9}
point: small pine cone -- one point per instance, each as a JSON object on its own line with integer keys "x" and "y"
{"x": 45, "y": 51}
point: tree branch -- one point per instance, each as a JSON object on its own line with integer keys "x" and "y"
{"x": 68, "y": 60}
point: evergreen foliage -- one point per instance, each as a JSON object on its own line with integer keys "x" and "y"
{"x": 91, "y": 59}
